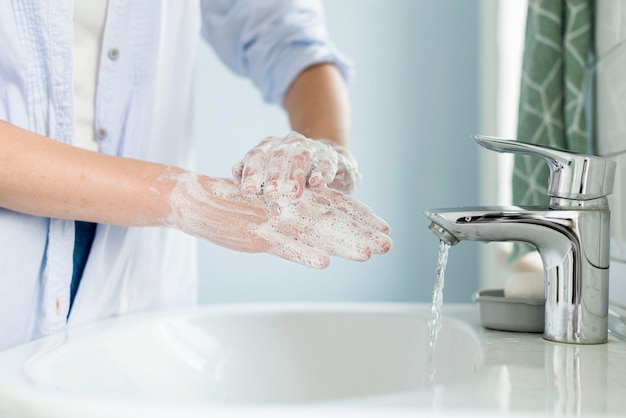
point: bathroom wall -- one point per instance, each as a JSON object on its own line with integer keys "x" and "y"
{"x": 415, "y": 103}
{"x": 502, "y": 27}
{"x": 611, "y": 127}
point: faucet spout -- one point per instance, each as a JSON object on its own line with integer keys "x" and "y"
{"x": 574, "y": 248}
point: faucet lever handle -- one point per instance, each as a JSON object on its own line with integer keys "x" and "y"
{"x": 573, "y": 175}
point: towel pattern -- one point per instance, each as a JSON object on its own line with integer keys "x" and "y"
{"x": 554, "y": 91}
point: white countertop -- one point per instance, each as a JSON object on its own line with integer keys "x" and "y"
{"x": 524, "y": 373}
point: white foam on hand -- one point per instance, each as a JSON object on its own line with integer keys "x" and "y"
{"x": 321, "y": 223}
{"x": 284, "y": 166}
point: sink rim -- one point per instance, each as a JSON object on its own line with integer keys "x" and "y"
{"x": 35, "y": 350}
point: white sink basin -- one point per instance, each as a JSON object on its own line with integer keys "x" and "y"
{"x": 243, "y": 355}
{"x": 316, "y": 360}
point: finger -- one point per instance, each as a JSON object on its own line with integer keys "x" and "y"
{"x": 297, "y": 251}
{"x": 253, "y": 171}
{"x": 378, "y": 242}
{"x": 305, "y": 230}
{"x": 355, "y": 210}
{"x": 237, "y": 171}
{"x": 300, "y": 167}
{"x": 279, "y": 182}
{"x": 340, "y": 243}
{"x": 317, "y": 223}
{"x": 347, "y": 177}
{"x": 324, "y": 165}
{"x": 339, "y": 236}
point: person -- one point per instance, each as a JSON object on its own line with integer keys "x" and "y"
{"x": 98, "y": 206}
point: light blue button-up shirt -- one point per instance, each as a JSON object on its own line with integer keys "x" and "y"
{"x": 143, "y": 108}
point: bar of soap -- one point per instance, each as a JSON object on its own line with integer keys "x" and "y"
{"x": 525, "y": 285}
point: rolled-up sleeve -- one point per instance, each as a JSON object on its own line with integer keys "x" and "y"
{"x": 270, "y": 41}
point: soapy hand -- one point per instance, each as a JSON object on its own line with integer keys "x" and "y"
{"x": 322, "y": 223}
{"x": 284, "y": 166}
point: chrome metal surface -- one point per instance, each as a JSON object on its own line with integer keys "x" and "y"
{"x": 571, "y": 235}
{"x": 443, "y": 234}
{"x": 572, "y": 175}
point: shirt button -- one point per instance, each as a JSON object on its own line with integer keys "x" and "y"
{"x": 114, "y": 54}
{"x": 102, "y": 133}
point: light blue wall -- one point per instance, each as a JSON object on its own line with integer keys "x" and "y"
{"x": 414, "y": 106}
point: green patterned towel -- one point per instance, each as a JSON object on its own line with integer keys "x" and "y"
{"x": 553, "y": 93}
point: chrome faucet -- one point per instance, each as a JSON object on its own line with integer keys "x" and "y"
{"x": 571, "y": 235}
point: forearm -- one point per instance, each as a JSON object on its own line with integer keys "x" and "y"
{"x": 40, "y": 176}
{"x": 318, "y": 104}
{"x": 43, "y": 177}
{"x": 319, "y": 109}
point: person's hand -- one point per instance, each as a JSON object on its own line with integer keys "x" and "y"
{"x": 322, "y": 223}
{"x": 285, "y": 166}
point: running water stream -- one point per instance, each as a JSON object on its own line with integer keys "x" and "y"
{"x": 434, "y": 325}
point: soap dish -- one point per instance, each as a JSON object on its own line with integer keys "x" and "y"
{"x": 509, "y": 314}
